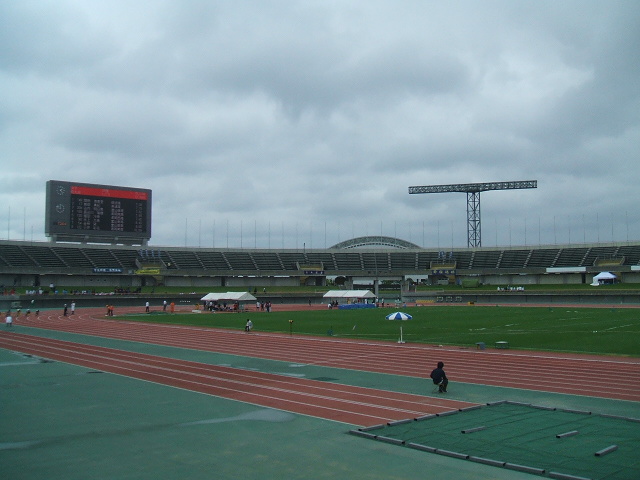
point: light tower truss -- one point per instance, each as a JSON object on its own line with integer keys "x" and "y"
{"x": 474, "y": 237}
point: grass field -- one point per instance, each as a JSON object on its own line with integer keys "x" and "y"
{"x": 586, "y": 330}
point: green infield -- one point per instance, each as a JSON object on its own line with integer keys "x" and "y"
{"x": 585, "y": 330}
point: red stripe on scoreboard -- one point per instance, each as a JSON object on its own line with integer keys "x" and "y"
{"x": 109, "y": 192}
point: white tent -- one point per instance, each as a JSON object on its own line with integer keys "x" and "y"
{"x": 603, "y": 277}
{"x": 349, "y": 294}
{"x": 229, "y": 296}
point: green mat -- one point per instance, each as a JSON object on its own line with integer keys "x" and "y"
{"x": 546, "y": 441}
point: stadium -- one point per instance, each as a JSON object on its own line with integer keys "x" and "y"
{"x": 99, "y": 241}
{"x": 351, "y": 394}
{"x": 268, "y": 271}
{"x": 369, "y": 261}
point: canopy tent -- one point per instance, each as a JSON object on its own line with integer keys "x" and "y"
{"x": 603, "y": 277}
{"x": 349, "y": 294}
{"x": 229, "y": 297}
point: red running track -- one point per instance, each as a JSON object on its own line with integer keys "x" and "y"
{"x": 589, "y": 375}
{"x": 344, "y": 403}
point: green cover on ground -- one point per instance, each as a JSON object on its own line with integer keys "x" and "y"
{"x": 528, "y": 436}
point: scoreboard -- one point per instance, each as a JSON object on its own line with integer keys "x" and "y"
{"x": 99, "y": 213}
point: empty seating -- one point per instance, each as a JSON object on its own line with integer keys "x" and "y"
{"x": 486, "y": 259}
{"x": 73, "y": 257}
{"x": 324, "y": 258}
{"x": 35, "y": 256}
{"x": 100, "y": 258}
{"x": 212, "y": 260}
{"x": 15, "y": 256}
{"x": 571, "y": 257}
{"x": 239, "y": 260}
{"x": 266, "y": 261}
{"x": 184, "y": 259}
{"x": 44, "y": 257}
{"x": 543, "y": 258}
{"x": 348, "y": 260}
{"x": 631, "y": 254}
{"x": 403, "y": 260}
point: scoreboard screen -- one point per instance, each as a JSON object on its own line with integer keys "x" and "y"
{"x": 97, "y": 212}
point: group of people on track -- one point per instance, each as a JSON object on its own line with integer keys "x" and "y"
{"x": 8, "y": 318}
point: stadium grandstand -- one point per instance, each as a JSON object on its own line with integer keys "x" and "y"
{"x": 99, "y": 238}
{"x": 25, "y": 265}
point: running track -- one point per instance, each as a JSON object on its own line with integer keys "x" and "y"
{"x": 563, "y": 373}
{"x": 353, "y": 405}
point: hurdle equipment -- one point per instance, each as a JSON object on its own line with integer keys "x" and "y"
{"x": 473, "y": 430}
{"x": 605, "y": 451}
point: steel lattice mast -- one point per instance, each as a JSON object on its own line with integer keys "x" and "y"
{"x": 473, "y": 200}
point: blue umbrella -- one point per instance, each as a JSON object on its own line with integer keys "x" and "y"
{"x": 399, "y": 316}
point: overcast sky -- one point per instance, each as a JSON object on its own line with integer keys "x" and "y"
{"x": 296, "y": 124}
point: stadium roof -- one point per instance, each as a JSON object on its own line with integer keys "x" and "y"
{"x": 375, "y": 241}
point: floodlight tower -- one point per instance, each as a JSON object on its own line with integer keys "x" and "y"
{"x": 473, "y": 201}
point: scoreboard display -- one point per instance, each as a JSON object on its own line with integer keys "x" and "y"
{"x": 89, "y": 212}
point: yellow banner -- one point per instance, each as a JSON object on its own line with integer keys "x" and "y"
{"x": 148, "y": 271}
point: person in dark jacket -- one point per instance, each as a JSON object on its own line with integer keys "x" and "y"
{"x": 440, "y": 378}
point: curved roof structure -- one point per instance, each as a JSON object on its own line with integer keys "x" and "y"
{"x": 376, "y": 241}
